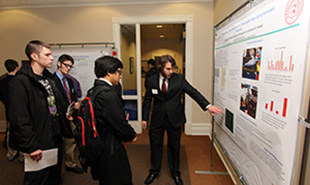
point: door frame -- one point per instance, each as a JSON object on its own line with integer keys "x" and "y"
{"x": 138, "y": 21}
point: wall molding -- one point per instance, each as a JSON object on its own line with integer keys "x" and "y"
{"x": 2, "y": 125}
{"x": 198, "y": 129}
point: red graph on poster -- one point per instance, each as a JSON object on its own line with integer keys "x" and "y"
{"x": 279, "y": 65}
{"x": 270, "y": 106}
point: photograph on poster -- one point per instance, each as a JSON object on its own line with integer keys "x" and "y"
{"x": 251, "y": 63}
{"x": 248, "y": 99}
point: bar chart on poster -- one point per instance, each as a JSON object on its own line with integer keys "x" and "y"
{"x": 260, "y": 57}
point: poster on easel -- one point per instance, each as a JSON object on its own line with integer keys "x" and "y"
{"x": 260, "y": 60}
{"x": 84, "y": 63}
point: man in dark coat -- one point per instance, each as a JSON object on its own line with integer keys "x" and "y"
{"x": 68, "y": 95}
{"x": 112, "y": 168}
{"x": 33, "y": 115}
{"x": 152, "y": 70}
{"x": 168, "y": 115}
{"x": 12, "y": 67}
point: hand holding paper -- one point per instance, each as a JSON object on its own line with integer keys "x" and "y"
{"x": 40, "y": 159}
{"x": 36, "y": 155}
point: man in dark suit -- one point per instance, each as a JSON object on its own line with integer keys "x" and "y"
{"x": 168, "y": 115}
{"x": 66, "y": 87}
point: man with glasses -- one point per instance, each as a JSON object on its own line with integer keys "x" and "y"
{"x": 68, "y": 96}
{"x": 112, "y": 167}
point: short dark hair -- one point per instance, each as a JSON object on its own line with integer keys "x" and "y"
{"x": 10, "y": 65}
{"x": 152, "y": 62}
{"x": 164, "y": 60}
{"x": 35, "y": 46}
{"x": 107, "y": 64}
{"x": 65, "y": 57}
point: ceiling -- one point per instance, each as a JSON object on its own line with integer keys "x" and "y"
{"x": 4, "y": 4}
{"x": 151, "y": 31}
{"x": 171, "y": 31}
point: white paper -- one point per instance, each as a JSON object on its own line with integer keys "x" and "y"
{"x": 49, "y": 158}
{"x": 70, "y": 109}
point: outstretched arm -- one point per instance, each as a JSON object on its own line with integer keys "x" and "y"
{"x": 215, "y": 110}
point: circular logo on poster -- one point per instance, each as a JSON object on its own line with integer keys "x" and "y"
{"x": 293, "y": 10}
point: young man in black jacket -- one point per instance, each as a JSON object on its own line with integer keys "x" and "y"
{"x": 12, "y": 67}
{"x": 33, "y": 113}
{"x": 112, "y": 167}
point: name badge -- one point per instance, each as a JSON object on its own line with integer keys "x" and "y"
{"x": 154, "y": 91}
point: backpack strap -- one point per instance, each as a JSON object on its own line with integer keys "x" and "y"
{"x": 94, "y": 91}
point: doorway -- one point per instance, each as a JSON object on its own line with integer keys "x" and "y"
{"x": 158, "y": 40}
{"x": 129, "y": 36}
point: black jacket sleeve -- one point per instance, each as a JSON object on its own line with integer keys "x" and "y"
{"x": 195, "y": 94}
{"x": 20, "y": 118}
{"x": 112, "y": 113}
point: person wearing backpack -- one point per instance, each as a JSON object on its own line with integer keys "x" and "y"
{"x": 112, "y": 167}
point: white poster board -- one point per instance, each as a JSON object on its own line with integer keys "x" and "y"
{"x": 260, "y": 60}
{"x": 84, "y": 63}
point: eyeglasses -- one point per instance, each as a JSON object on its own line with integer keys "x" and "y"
{"x": 120, "y": 72}
{"x": 68, "y": 65}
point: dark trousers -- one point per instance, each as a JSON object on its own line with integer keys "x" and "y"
{"x": 50, "y": 175}
{"x": 113, "y": 167}
{"x": 156, "y": 141}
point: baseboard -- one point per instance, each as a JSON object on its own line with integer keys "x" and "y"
{"x": 2, "y": 125}
{"x": 198, "y": 129}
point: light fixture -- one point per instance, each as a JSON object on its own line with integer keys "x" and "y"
{"x": 159, "y": 26}
{"x": 161, "y": 36}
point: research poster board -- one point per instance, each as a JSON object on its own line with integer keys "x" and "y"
{"x": 260, "y": 61}
{"x": 84, "y": 63}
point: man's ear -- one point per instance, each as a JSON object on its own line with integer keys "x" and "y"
{"x": 58, "y": 64}
{"x": 34, "y": 56}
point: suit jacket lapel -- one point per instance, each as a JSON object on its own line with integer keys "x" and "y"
{"x": 170, "y": 84}
{"x": 61, "y": 88}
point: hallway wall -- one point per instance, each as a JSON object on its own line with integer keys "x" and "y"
{"x": 94, "y": 24}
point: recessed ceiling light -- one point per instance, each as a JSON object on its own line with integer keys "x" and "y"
{"x": 159, "y": 26}
{"x": 161, "y": 36}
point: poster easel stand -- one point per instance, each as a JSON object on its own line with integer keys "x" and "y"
{"x": 212, "y": 172}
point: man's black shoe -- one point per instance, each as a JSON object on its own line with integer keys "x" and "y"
{"x": 177, "y": 180}
{"x": 150, "y": 178}
{"x": 75, "y": 169}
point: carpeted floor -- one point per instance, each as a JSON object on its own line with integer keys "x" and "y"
{"x": 139, "y": 157}
{"x": 11, "y": 173}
